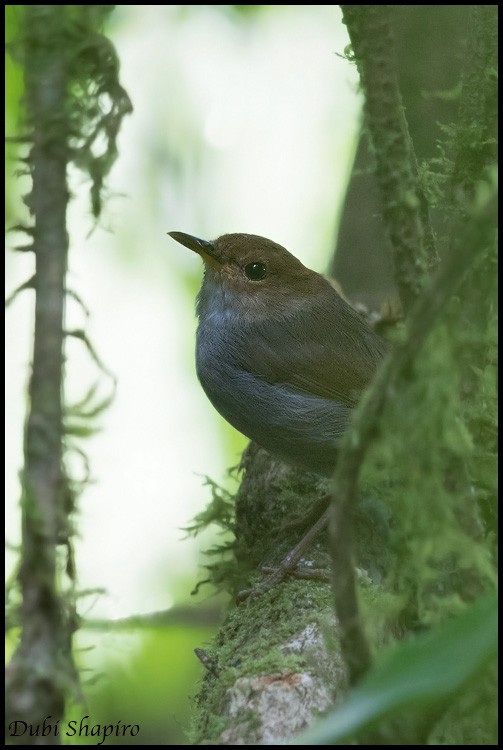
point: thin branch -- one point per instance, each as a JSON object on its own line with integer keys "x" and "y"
{"x": 80, "y": 335}
{"x": 185, "y": 615}
{"x": 29, "y": 284}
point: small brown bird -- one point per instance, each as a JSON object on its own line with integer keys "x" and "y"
{"x": 280, "y": 354}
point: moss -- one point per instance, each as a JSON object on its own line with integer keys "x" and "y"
{"x": 440, "y": 551}
{"x": 260, "y": 525}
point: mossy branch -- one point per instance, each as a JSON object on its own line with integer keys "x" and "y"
{"x": 405, "y": 212}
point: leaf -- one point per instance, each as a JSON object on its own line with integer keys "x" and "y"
{"x": 425, "y": 670}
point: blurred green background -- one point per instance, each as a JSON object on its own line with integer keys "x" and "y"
{"x": 245, "y": 120}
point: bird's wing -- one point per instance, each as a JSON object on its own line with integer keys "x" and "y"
{"x": 332, "y": 354}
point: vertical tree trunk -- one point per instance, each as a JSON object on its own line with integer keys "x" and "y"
{"x": 40, "y": 668}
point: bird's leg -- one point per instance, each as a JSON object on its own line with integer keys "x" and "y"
{"x": 309, "y": 518}
{"x": 289, "y": 563}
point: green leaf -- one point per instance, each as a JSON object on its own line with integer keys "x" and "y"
{"x": 421, "y": 671}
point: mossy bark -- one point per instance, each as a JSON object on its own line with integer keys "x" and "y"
{"x": 276, "y": 662}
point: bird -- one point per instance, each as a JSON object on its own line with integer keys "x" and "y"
{"x": 281, "y": 355}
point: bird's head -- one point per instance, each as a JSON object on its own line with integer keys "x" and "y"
{"x": 254, "y": 276}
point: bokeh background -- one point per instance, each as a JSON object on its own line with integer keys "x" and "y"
{"x": 245, "y": 119}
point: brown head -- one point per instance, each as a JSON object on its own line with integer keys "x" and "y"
{"x": 256, "y": 275}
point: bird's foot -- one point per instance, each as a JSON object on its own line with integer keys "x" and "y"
{"x": 289, "y": 564}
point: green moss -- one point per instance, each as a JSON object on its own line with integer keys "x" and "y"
{"x": 436, "y": 461}
{"x": 249, "y": 644}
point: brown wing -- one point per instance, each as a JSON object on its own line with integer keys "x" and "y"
{"x": 330, "y": 353}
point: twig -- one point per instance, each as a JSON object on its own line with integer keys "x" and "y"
{"x": 184, "y": 615}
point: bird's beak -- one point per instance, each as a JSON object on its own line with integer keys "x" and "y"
{"x": 202, "y": 247}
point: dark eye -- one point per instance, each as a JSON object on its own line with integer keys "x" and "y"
{"x": 256, "y": 271}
